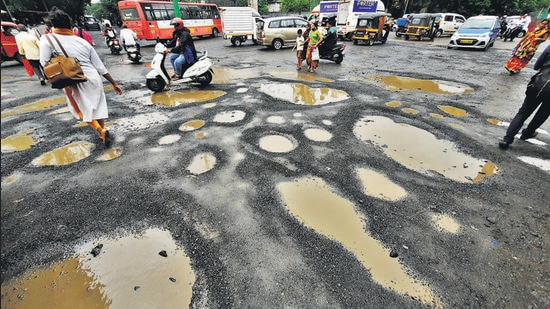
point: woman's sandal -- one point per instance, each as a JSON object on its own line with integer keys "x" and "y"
{"x": 105, "y": 136}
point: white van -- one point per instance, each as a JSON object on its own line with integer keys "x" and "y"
{"x": 448, "y": 23}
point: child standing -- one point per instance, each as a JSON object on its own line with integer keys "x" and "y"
{"x": 299, "y": 46}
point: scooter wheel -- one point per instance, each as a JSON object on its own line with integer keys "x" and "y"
{"x": 156, "y": 84}
{"x": 205, "y": 78}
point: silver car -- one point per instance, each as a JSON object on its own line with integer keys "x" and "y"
{"x": 280, "y": 31}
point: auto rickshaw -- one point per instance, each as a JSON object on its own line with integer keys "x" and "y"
{"x": 422, "y": 26}
{"x": 372, "y": 28}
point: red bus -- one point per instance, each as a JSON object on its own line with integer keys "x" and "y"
{"x": 151, "y": 19}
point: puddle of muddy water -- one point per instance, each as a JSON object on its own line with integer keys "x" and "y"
{"x": 229, "y": 116}
{"x": 454, "y": 111}
{"x": 192, "y": 125}
{"x": 110, "y": 154}
{"x": 202, "y": 163}
{"x": 33, "y": 107}
{"x": 276, "y": 143}
{"x": 128, "y": 272}
{"x": 302, "y": 94}
{"x": 411, "y": 111}
{"x": 65, "y": 155}
{"x": 62, "y": 285}
{"x": 378, "y": 185}
{"x": 318, "y": 134}
{"x": 312, "y": 202}
{"x": 186, "y": 96}
{"x": 18, "y": 142}
{"x": 421, "y": 151}
{"x": 398, "y": 83}
{"x": 393, "y": 104}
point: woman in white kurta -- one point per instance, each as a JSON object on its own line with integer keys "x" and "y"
{"x": 86, "y": 100}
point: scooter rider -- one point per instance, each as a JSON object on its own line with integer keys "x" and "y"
{"x": 109, "y": 33}
{"x": 181, "y": 39}
{"x": 128, "y": 37}
{"x": 330, "y": 39}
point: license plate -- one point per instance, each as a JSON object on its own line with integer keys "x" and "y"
{"x": 467, "y": 41}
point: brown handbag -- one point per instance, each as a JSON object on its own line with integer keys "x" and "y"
{"x": 62, "y": 70}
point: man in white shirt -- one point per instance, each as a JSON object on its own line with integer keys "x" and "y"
{"x": 128, "y": 37}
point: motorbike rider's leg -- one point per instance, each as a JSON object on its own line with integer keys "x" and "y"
{"x": 178, "y": 63}
{"x": 173, "y": 58}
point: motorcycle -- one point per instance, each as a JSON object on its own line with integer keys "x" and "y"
{"x": 158, "y": 79}
{"x": 335, "y": 53}
{"x": 133, "y": 53}
{"x": 114, "y": 45}
{"x": 512, "y": 31}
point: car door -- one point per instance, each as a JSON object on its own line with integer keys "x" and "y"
{"x": 458, "y": 21}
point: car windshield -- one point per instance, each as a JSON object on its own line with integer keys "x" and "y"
{"x": 478, "y": 24}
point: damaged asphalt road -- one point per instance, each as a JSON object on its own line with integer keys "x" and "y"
{"x": 272, "y": 188}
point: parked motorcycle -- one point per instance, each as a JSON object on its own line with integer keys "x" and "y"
{"x": 158, "y": 79}
{"x": 335, "y": 53}
{"x": 133, "y": 53}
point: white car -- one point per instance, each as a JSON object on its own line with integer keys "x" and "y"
{"x": 477, "y": 32}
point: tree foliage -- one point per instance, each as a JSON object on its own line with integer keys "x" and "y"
{"x": 23, "y": 10}
{"x": 469, "y": 7}
{"x": 108, "y": 8}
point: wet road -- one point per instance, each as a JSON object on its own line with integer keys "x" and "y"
{"x": 374, "y": 183}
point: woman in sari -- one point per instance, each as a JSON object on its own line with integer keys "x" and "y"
{"x": 527, "y": 47}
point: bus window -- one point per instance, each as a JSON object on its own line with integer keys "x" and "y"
{"x": 129, "y": 14}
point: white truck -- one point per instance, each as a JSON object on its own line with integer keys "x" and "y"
{"x": 239, "y": 24}
{"x": 347, "y": 12}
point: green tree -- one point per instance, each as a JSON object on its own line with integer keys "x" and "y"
{"x": 294, "y": 6}
{"x": 105, "y": 9}
{"x": 75, "y": 8}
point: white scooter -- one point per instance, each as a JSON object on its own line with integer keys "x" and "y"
{"x": 158, "y": 78}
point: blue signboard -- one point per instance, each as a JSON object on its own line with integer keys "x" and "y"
{"x": 365, "y": 6}
{"x": 328, "y": 7}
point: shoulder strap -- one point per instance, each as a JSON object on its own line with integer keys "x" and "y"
{"x": 59, "y": 43}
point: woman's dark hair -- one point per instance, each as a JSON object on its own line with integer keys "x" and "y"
{"x": 60, "y": 19}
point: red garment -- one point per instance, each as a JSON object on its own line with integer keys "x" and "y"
{"x": 526, "y": 49}
{"x": 85, "y": 35}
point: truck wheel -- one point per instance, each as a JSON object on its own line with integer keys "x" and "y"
{"x": 277, "y": 44}
{"x": 438, "y": 33}
{"x": 238, "y": 42}
{"x": 233, "y": 40}
{"x": 156, "y": 84}
{"x": 215, "y": 33}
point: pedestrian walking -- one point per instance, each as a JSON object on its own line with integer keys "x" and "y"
{"x": 83, "y": 34}
{"x": 86, "y": 100}
{"x": 315, "y": 37}
{"x": 29, "y": 47}
{"x": 305, "y": 35}
{"x": 536, "y": 95}
{"x": 299, "y": 46}
{"x": 527, "y": 47}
